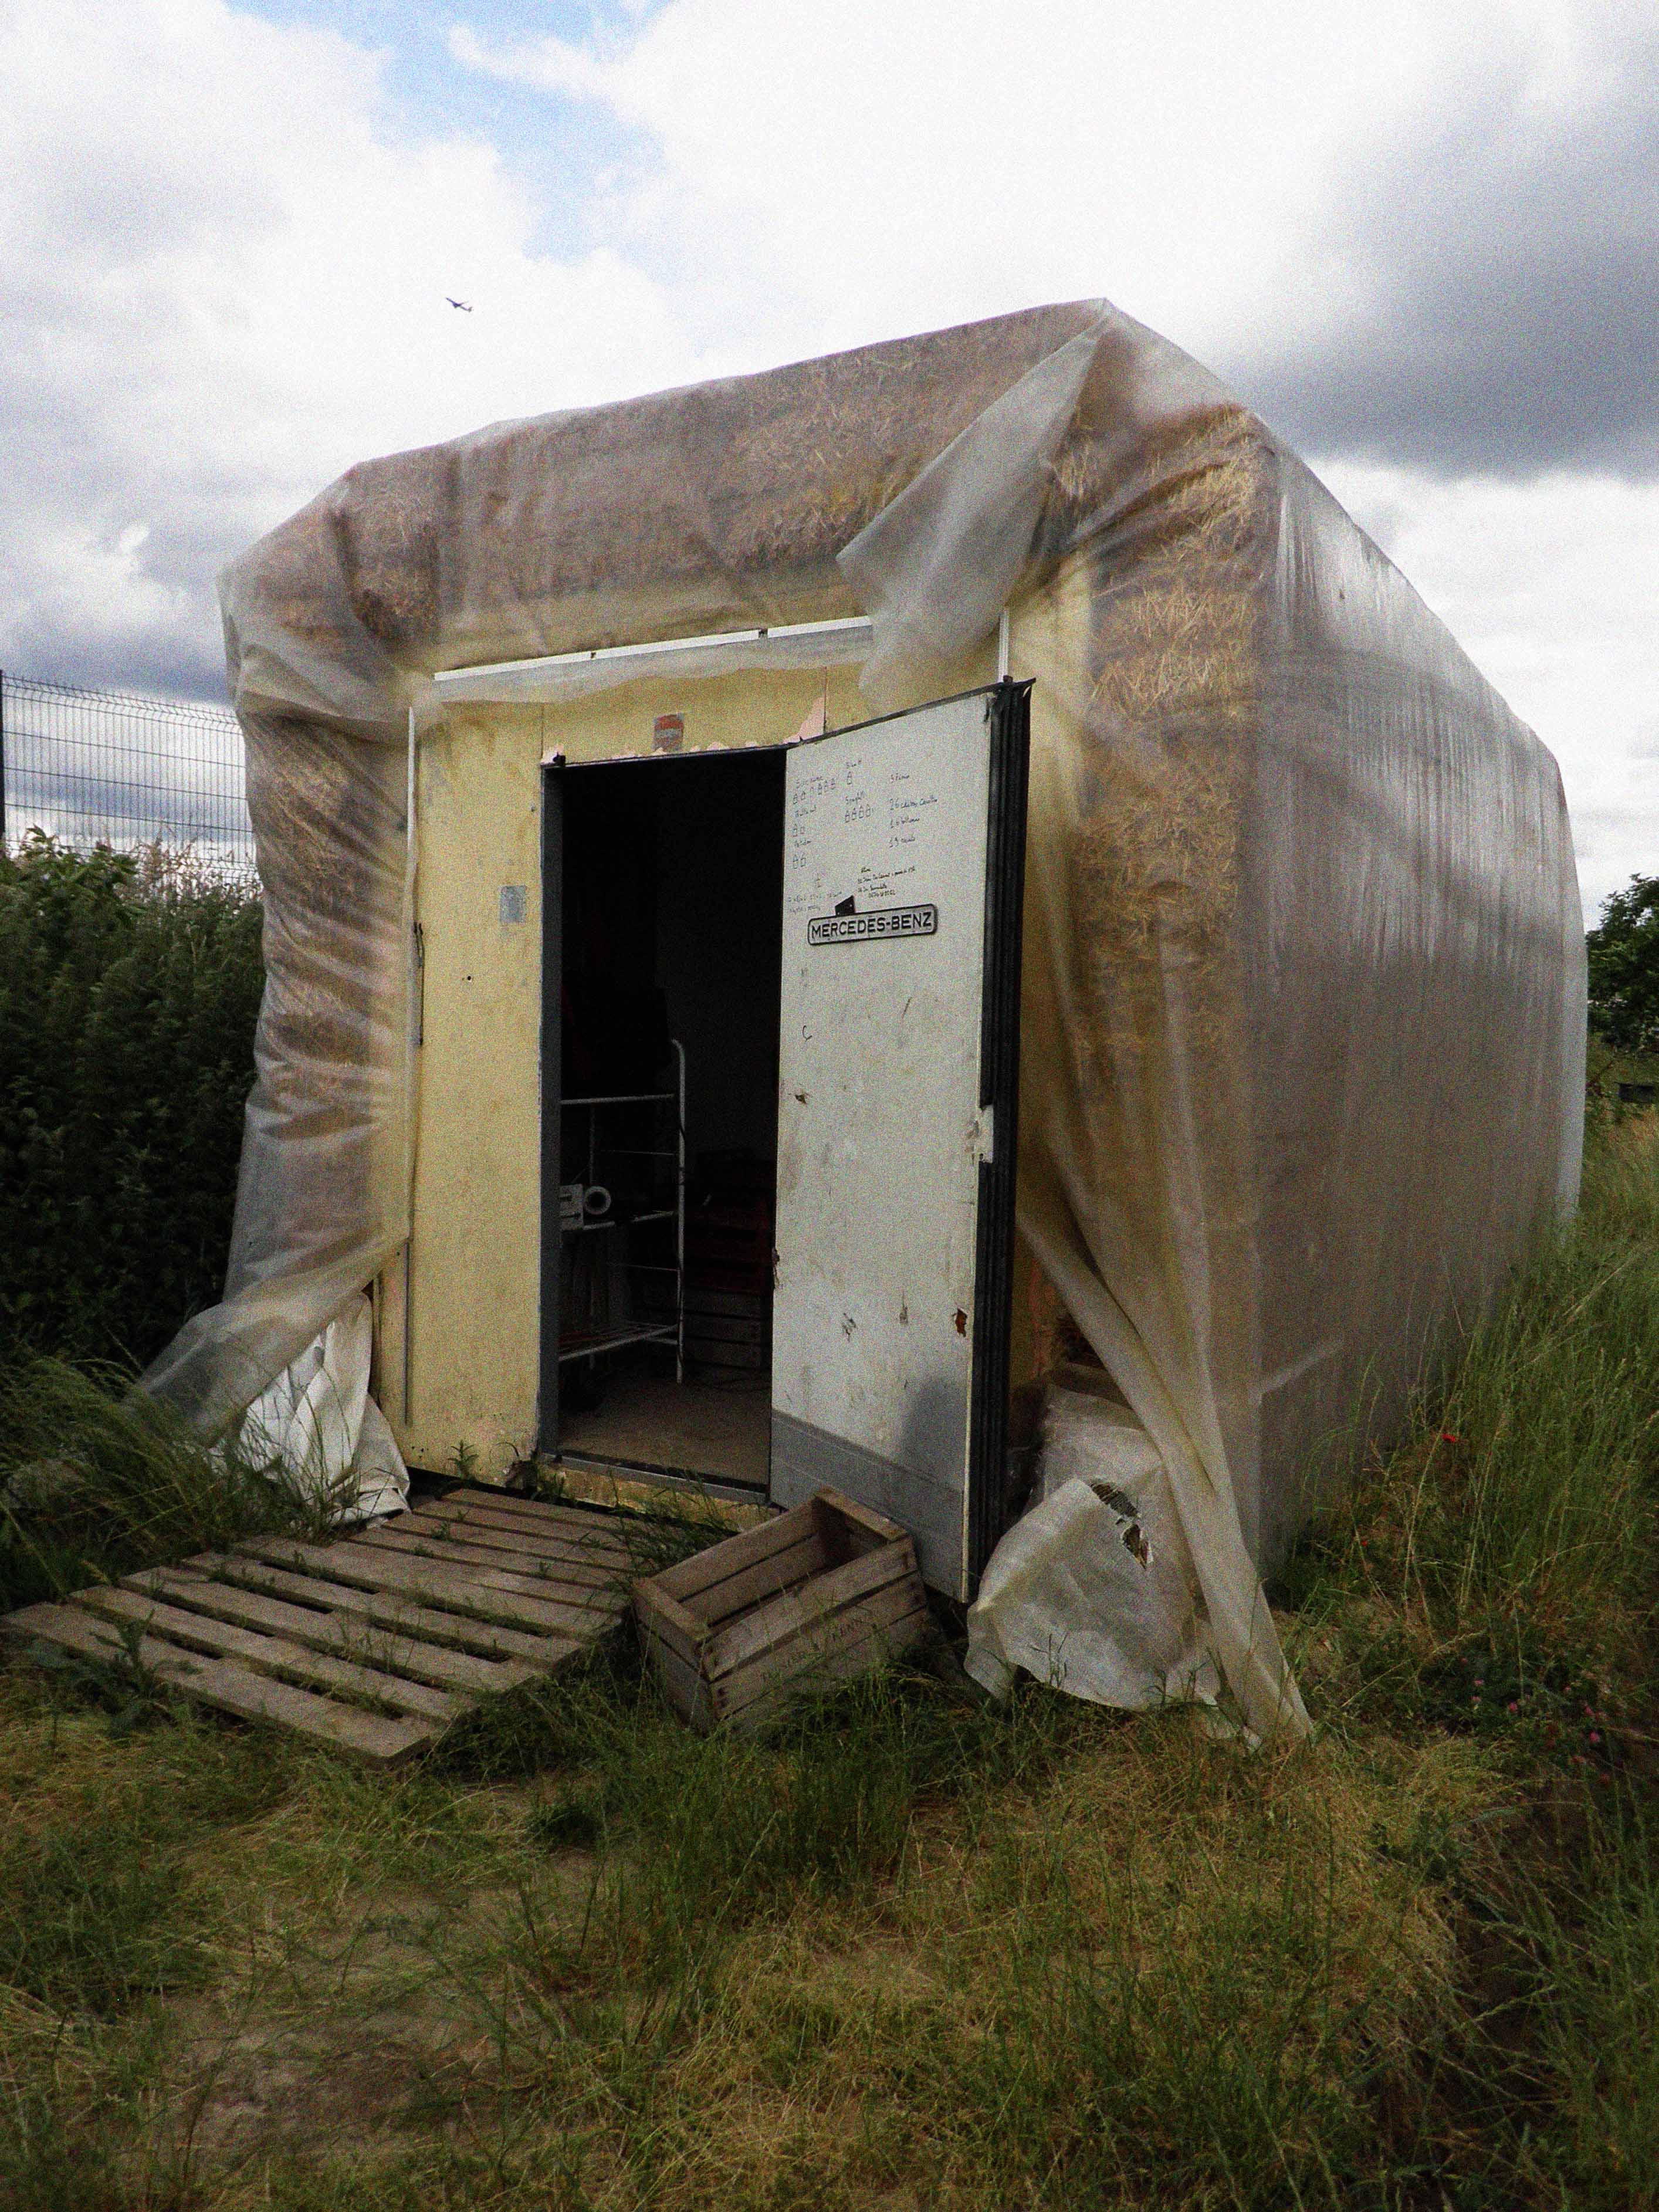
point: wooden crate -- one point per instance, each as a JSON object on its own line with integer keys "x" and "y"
{"x": 820, "y": 1594}
{"x": 728, "y": 1332}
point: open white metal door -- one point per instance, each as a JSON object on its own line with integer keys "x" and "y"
{"x": 903, "y": 868}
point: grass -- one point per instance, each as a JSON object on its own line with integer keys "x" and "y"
{"x": 97, "y": 1480}
{"x": 910, "y": 1950}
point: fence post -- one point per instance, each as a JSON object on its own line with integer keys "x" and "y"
{"x": 2, "y": 760}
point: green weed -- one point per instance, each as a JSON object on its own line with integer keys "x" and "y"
{"x": 1595, "y": 2011}
{"x": 122, "y": 1682}
{"x": 97, "y": 1480}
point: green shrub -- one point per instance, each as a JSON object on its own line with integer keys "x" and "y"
{"x": 1624, "y": 967}
{"x": 129, "y": 989}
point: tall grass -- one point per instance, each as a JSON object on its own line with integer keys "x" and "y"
{"x": 1497, "y": 1581}
{"x": 1231, "y": 2057}
{"x": 913, "y": 1950}
{"x": 1525, "y": 1509}
{"x": 1594, "y": 2008}
{"x": 110, "y": 1916}
{"x": 708, "y": 1834}
{"x": 97, "y": 1480}
{"x": 1554, "y": 1480}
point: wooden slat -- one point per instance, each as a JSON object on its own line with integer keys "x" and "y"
{"x": 666, "y": 1618}
{"x": 792, "y": 1614}
{"x": 349, "y": 1636}
{"x": 491, "y": 1638}
{"x": 716, "y": 1351}
{"x": 605, "y": 1551}
{"x": 832, "y": 1649}
{"x": 873, "y": 1616}
{"x": 526, "y": 1543}
{"x": 822, "y": 1593}
{"x": 419, "y": 1618}
{"x": 726, "y": 1331}
{"x": 720, "y": 1561}
{"x": 269, "y": 1654}
{"x": 875, "y": 1525}
{"x": 230, "y": 1688}
{"x": 489, "y": 1596}
{"x": 415, "y": 1543}
{"x": 690, "y": 1692}
{"x": 545, "y": 1512}
{"x": 704, "y": 1299}
{"x": 533, "y": 1514}
{"x": 767, "y": 1578}
{"x": 602, "y": 1547}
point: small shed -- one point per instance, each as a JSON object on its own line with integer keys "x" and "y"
{"x": 800, "y": 908}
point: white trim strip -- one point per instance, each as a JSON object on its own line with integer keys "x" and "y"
{"x": 570, "y": 675}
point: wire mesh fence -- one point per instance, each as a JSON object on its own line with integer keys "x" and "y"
{"x": 118, "y": 769}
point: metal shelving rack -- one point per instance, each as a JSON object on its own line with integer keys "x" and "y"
{"x": 603, "y": 1337}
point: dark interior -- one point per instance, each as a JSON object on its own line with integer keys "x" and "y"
{"x": 673, "y": 890}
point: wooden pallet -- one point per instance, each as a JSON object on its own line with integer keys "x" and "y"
{"x": 376, "y": 1642}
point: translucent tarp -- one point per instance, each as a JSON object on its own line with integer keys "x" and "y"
{"x": 1303, "y": 992}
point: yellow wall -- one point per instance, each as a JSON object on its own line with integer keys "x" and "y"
{"x": 473, "y": 1256}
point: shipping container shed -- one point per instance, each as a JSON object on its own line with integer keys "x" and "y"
{"x": 800, "y": 908}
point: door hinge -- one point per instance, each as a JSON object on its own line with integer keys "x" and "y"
{"x": 985, "y": 1135}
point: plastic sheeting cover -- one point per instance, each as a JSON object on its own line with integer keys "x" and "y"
{"x": 1304, "y": 988}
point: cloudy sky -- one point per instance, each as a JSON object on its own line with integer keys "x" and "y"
{"x": 1422, "y": 240}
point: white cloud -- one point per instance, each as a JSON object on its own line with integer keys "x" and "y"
{"x": 224, "y": 284}
{"x": 1500, "y": 265}
{"x": 1416, "y": 227}
{"x": 225, "y": 260}
{"x": 1259, "y": 183}
{"x": 878, "y": 170}
{"x": 1549, "y": 587}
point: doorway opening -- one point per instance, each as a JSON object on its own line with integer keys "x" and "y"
{"x": 661, "y": 985}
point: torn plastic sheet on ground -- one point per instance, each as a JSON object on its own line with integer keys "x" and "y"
{"x": 1303, "y": 994}
{"x": 1078, "y": 1596}
{"x": 317, "y": 1422}
{"x": 1092, "y": 1591}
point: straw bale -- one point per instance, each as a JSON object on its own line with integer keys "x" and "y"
{"x": 1145, "y": 1006}
{"x": 1176, "y": 663}
{"x": 723, "y": 502}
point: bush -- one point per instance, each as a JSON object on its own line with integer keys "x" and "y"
{"x": 1624, "y": 967}
{"x": 129, "y": 989}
